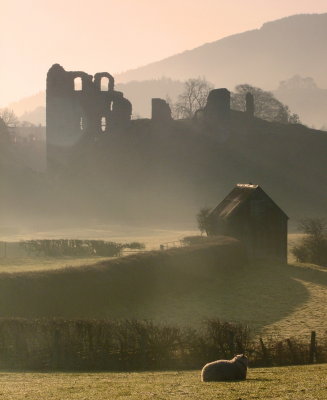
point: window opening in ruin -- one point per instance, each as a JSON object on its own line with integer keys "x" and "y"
{"x": 103, "y": 124}
{"x": 81, "y": 125}
{"x": 104, "y": 84}
{"x": 110, "y": 105}
{"x": 78, "y": 85}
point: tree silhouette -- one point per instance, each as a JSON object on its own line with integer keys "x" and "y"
{"x": 313, "y": 246}
{"x": 204, "y": 220}
{"x": 266, "y": 106}
{"x": 193, "y": 98}
{"x": 9, "y": 117}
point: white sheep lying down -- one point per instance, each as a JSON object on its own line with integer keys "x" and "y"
{"x": 225, "y": 370}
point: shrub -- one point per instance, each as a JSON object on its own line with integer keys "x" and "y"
{"x": 313, "y": 247}
{"x": 191, "y": 240}
{"x": 77, "y": 248}
{"x": 138, "y": 345}
{"x": 205, "y": 220}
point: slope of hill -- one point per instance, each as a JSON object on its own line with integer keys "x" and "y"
{"x": 36, "y": 116}
{"x": 180, "y": 286}
{"x": 141, "y": 93}
{"x": 28, "y": 104}
{"x": 155, "y": 172}
{"x": 305, "y": 98}
{"x": 262, "y": 57}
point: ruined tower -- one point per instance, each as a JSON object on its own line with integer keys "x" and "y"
{"x": 249, "y": 105}
{"x": 78, "y": 104}
{"x": 218, "y": 105}
{"x": 161, "y": 111}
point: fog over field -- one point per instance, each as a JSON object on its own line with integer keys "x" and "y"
{"x": 146, "y": 181}
{"x": 163, "y": 196}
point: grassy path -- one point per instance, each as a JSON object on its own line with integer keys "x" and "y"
{"x": 286, "y": 383}
{"x": 308, "y": 316}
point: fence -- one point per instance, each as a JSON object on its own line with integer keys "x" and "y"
{"x": 169, "y": 245}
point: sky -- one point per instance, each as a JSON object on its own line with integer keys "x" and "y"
{"x": 117, "y": 35}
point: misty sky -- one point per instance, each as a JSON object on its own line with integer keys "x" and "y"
{"x": 116, "y": 35}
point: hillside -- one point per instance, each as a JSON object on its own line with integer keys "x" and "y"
{"x": 262, "y": 57}
{"x": 180, "y": 286}
{"x": 162, "y": 174}
{"x": 305, "y": 98}
{"x": 155, "y": 172}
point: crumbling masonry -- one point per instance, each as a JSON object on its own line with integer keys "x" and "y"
{"x": 78, "y": 104}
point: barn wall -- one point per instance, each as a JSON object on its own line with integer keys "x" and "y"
{"x": 261, "y": 226}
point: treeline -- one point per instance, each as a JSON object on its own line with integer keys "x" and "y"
{"x": 77, "y": 248}
{"x": 128, "y": 345}
{"x": 312, "y": 248}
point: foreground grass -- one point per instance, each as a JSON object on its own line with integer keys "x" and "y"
{"x": 298, "y": 382}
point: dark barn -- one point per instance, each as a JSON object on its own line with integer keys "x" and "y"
{"x": 251, "y": 216}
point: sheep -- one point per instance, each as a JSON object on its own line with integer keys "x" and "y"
{"x": 225, "y": 370}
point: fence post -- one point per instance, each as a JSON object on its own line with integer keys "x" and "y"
{"x": 313, "y": 348}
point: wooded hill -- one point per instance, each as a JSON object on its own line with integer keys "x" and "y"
{"x": 166, "y": 172}
{"x": 154, "y": 173}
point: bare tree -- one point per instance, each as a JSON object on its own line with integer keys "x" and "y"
{"x": 4, "y": 137}
{"x": 9, "y": 117}
{"x": 193, "y": 98}
{"x": 315, "y": 227}
{"x": 266, "y": 105}
{"x": 204, "y": 220}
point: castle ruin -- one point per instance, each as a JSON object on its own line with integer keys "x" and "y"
{"x": 78, "y": 103}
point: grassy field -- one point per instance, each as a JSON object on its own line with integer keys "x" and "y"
{"x": 286, "y": 383}
{"x": 309, "y": 314}
{"x": 152, "y": 239}
{"x": 29, "y": 264}
{"x": 181, "y": 286}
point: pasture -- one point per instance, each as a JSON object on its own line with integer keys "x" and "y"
{"x": 14, "y": 261}
{"x": 179, "y": 286}
{"x": 284, "y": 383}
{"x": 29, "y": 264}
{"x": 152, "y": 238}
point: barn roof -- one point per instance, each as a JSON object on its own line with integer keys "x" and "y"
{"x": 238, "y": 196}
